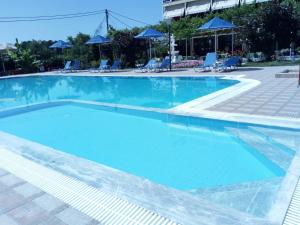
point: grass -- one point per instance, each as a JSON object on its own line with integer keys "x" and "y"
{"x": 272, "y": 63}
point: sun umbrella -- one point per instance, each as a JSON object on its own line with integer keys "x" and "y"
{"x": 61, "y": 45}
{"x": 150, "y": 34}
{"x": 215, "y": 25}
{"x": 98, "y": 40}
{"x": 6, "y": 46}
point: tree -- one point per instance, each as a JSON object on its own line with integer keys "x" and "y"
{"x": 80, "y": 50}
{"x": 272, "y": 27}
{"x": 24, "y": 59}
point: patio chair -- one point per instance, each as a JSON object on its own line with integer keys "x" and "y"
{"x": 103, "y": 66}
{"x": 209, "y": 62}
{"x": 67, "y": 66}
{"x": 164, "y": 66}
{"x": 229, "y": 64}
{"x": 116, "y": 65}
{"x": 75, "y": 66}
{"x": 151, "y": 65}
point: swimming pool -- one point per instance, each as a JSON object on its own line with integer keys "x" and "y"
{"x": 164, "y": 149}
{"x": 232, "y": 164}
{"x": 154, "y": 92}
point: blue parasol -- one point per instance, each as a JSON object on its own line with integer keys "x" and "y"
{"x": 98, "y": 40}
{"x": 216, "y": 24}
{"x": 149, "y": 34}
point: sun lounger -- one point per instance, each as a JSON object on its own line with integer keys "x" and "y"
{"x": 164, "y": 66}
{"x": 229, "y": 64}
{"x": 67, "y": 66}
{"x": 150, "y": 66}
{"x": 209, "y": 62}
{"x": 75, "y": 66}
{"x": 103, "y": 66}
{"x": 115, "y": 66}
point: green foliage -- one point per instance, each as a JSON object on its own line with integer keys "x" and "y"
{"x": 272, "y": 27}
{"x": 24, "y": 58}
{"x": 80, "y": 50}
{"x": 186, "y": 27}
{"x": 262, "y": 27}
{"x": 125, "y": 46}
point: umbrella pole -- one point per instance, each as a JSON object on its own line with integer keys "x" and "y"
{"x": 3, "y": 65}
{"x": 232, "y": 43}
{"x": 150, "y": 54}
{"x": 216, "y": 41}
{"x": 100, "y": 55}
{"x": 62, "y": 52}
{"x": 186, "y": 49}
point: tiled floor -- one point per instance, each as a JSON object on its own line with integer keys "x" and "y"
{"x": 274, "y": 97}
{"x": 23, "y": 204}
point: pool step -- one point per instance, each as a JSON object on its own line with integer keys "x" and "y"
{"x": 104, "y": 207}
{"x": 269, "y": 149}
{"x": 277, "y": 139}
{"x": 258, "y": 196}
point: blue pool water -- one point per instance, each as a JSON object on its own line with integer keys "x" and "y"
{"x": 164, "y": 149}
{"x": 156, "y": 92}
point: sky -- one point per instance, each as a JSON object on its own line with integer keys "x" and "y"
{"x": 149, "y": 11}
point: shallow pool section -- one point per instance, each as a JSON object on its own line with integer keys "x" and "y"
{"x": 165, "y": 149}
{"x": 154, "y": 92}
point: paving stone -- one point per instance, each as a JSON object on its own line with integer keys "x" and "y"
{"x": 245, "y": 110}
{"x": 7, "y": 220}
{"x": 27, "y": 190}
{"x": 227, "y": 109}
{"x": 10, "y": 200}
{"x": 71, "y": 216}
{"x": 290, "y": 109}
{"x": 265, "y": 111}
{"x": 28, "y": 214}
{"x": 48, "y": 202}
{"x": 10, "y": 180}
{"x": 52, "y": 221}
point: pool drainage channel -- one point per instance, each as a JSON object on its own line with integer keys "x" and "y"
{"x": 293, "y": 214}
{"x": 99, "y": 205}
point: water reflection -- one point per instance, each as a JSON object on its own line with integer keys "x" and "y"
{"x": 147, "y": 92}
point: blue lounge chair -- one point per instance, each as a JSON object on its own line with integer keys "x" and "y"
{"x": 116, "y": 65}
{"x": 75, "y": 66}
{"x": 151, "y": 65}
{"x": 67, "y": 66}
{"x": 103, "y": 66}
{"x": 165, "y": 65}
{"x": 209, "y": 62}
{"x": 229, "y": 64}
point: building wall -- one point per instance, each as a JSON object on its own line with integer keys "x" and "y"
{"x": 179, "y": 8}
